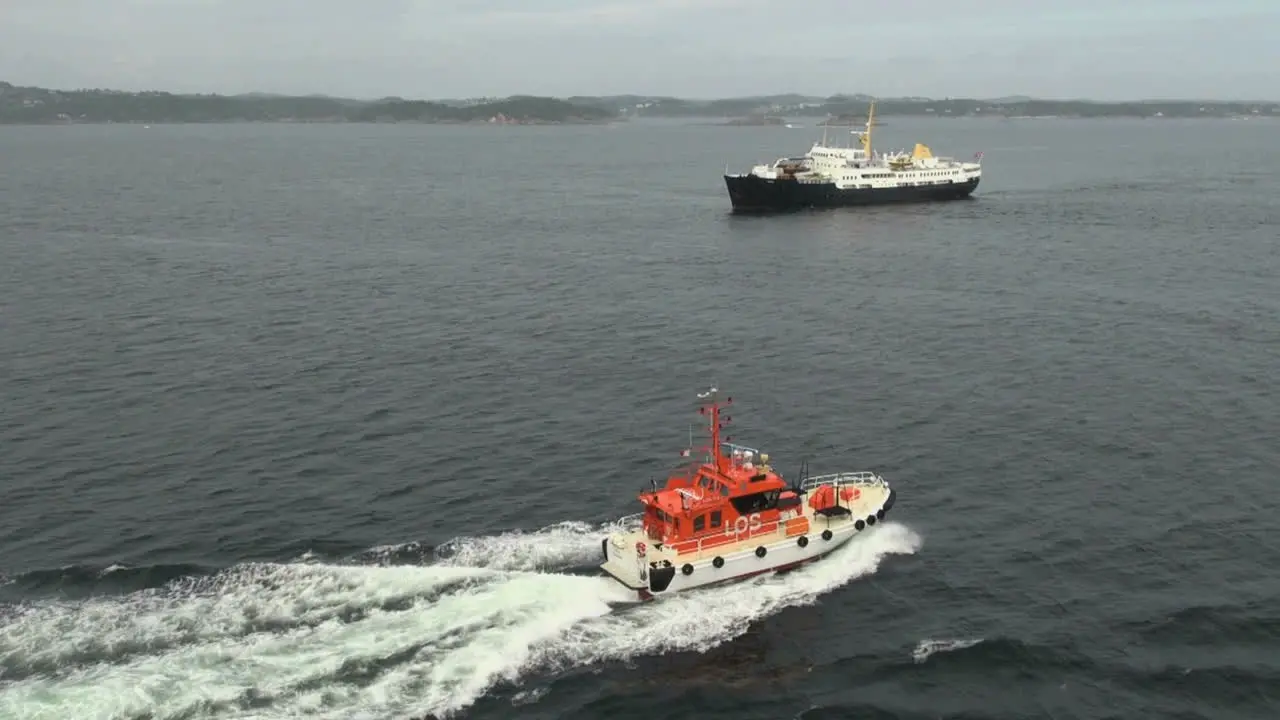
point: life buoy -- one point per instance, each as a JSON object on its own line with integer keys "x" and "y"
{"x": 760, "y": 551}
{"x": 718, "y": 561}
{"x": 803, "y": 540}
{"x": 640, "y": 549}
{"x": 826, "y": 534}
{"x": 687, "y": 569}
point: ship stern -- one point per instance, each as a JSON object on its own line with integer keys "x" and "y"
{"x": 621, "y": 565}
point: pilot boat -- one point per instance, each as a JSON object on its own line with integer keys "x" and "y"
{"x": 729, "y": 515}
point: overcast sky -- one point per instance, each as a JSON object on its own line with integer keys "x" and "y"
{"x": 1102, "y": 49}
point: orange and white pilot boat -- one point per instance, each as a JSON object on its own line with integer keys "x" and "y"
{"x": 729, "y": 516}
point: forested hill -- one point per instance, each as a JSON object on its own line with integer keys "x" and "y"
{"x": 30, "y": 105}
{"x": 856, "y": 105}
{"x": 33, "y": 105}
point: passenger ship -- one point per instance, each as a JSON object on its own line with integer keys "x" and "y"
{"x": 730, "y": 516}
{"x": 828, "y": 176}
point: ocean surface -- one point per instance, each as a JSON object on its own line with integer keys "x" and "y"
{"x": 328, "y": 422}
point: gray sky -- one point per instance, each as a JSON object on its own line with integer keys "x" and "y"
{"x": 1102, "y": 49}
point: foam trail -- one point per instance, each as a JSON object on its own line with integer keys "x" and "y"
{"x": 553, "y": 547}
{"x": 324, "y": 641}
{"x": 929, "y": 647}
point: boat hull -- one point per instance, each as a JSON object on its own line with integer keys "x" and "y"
{"x": 754, "y": 194}
{"x": 679, "y": 574}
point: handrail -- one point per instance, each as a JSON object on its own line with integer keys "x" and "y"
{"x": 863, "y": 478}
{"x": 699, "y": 549}
{"x": 733, "y": 446}
{"x": 626, "y": 520}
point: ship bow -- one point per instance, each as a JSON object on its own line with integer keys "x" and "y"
{"x": 751, "y": 193}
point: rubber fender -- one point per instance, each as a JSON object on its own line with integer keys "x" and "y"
{"x": 660, "y": 578}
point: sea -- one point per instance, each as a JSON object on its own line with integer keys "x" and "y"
{"x": 328, "y": 422}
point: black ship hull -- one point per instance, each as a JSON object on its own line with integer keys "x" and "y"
{"x": 749, "y": 193}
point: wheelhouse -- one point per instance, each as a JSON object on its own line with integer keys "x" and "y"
{"x": 730, "y": 495}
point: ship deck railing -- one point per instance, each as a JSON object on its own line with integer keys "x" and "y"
{"x": 863, "y": 478}
{"x": 632, "y": 521}
{"x": 731, "y": 447}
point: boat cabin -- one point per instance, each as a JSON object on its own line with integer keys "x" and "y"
{"x": 727, "y": 497}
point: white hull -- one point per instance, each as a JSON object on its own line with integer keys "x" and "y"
{"x": 663, "y": 572}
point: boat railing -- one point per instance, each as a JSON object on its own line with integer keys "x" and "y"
{"x": 731, "y": 447}
{"x": 862, "y": 478}
{"x": 627, "y": 521}
{"x": 765, "y": 533}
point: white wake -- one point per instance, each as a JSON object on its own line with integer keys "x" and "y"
{"x": 333, "y": 641}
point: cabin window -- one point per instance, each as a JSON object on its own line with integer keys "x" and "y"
{"x": 700, "y": 523}
{"x": 756, "y": 502}
{"x": 715, "y": 518}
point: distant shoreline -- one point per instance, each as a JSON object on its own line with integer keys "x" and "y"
{"x": 43, "y": 106}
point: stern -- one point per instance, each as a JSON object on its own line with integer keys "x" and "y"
{"x": 623, "y": 560}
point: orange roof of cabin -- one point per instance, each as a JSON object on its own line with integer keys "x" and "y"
{"x": 736, "y": 478}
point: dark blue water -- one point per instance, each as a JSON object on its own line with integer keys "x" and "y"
{"x": 328, "y": 422}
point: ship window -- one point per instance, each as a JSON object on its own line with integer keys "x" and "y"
{"x": 699, "y": 523}
{"x": 715, "y": 518}
{"x": 755, "y": 502}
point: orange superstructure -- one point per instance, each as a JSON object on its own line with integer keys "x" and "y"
{"x": 721, "y": 498}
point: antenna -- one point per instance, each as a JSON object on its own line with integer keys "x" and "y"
{"x": 712, "y": 407}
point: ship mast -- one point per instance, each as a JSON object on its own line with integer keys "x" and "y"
{"x": 866, "y": 137}
{"x": 710, "y": 406}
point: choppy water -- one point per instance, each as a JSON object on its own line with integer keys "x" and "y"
{"x": 328, "y": 421}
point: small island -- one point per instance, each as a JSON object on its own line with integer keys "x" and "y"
{"x": 41, "y": 106}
